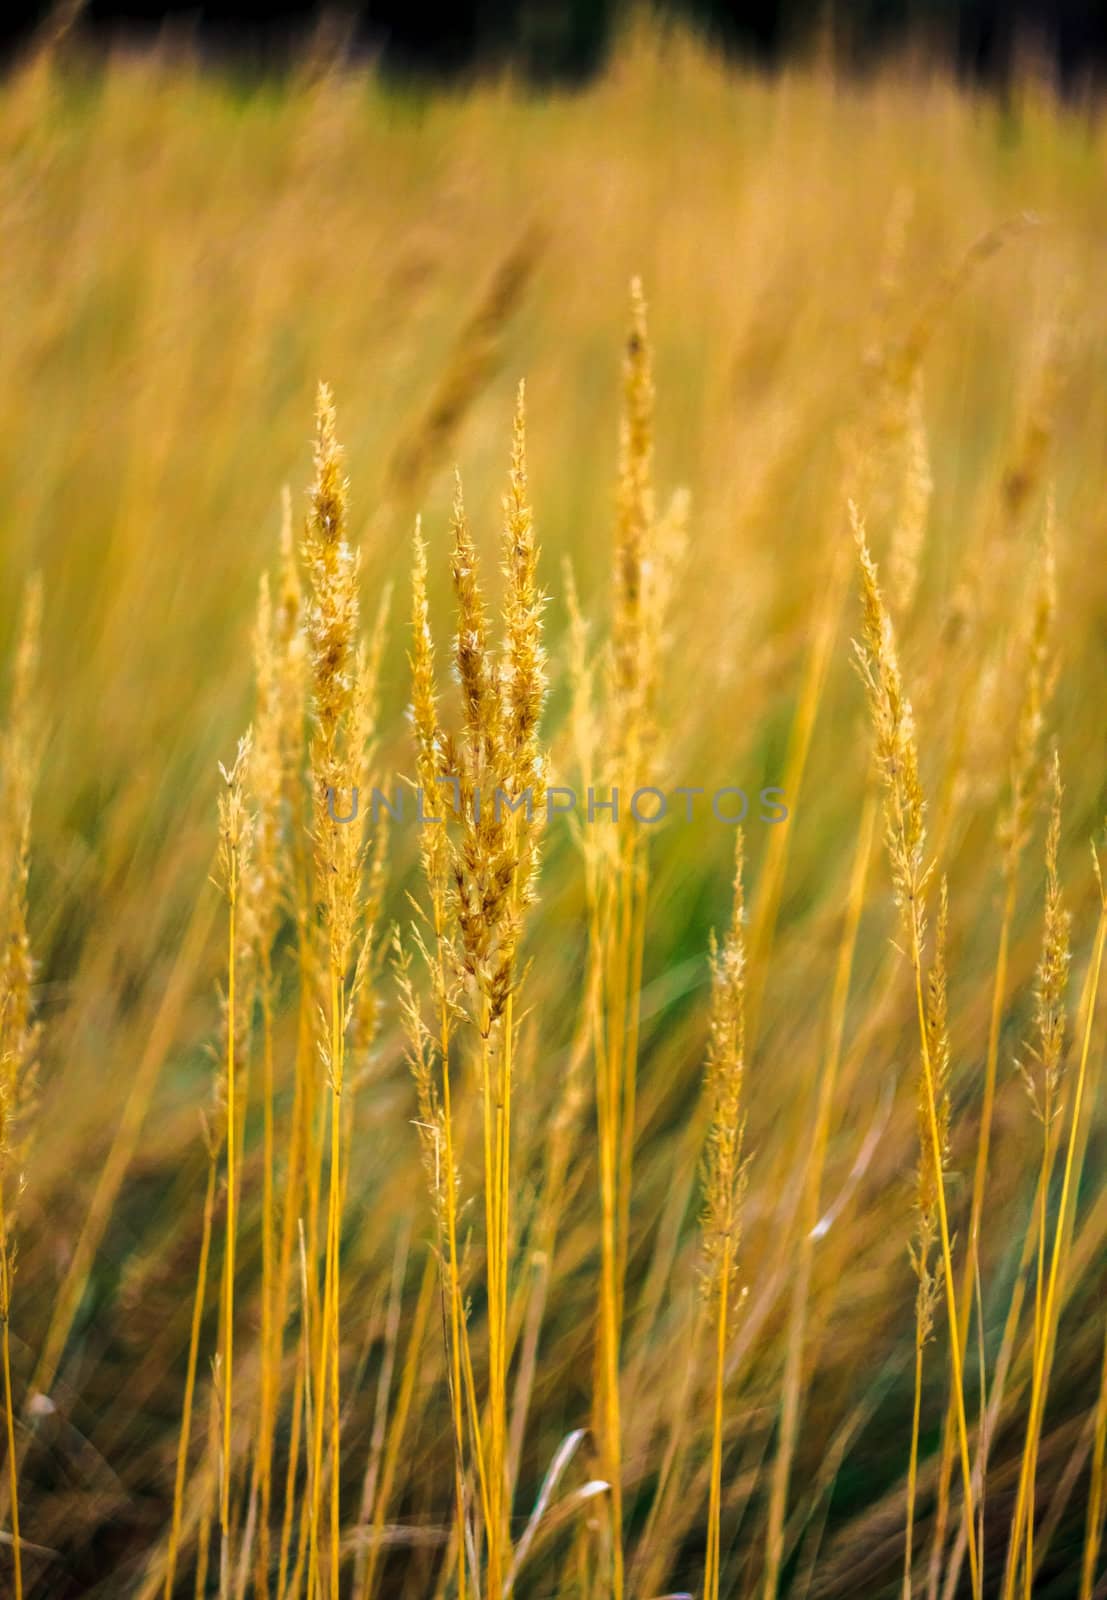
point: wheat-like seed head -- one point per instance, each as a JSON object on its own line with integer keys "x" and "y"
{"x": 238, "y": 881}
{"x": 266, "y": 778}
{"x": 894, "y": 735}
{"x": 484, "y": 863}
{"x": 236, "y": 822}
{"x": 633, "y": 527}
{"x": 429, "y": 752}
{"x": 1043, "y": 1079}
{"x": 19, "y": 1032}
{"x": 1013, "y": 828}
{"x": 494, "y": 859}
{"x": 424, "y": 692}
{"x": 472, "y": 648}
{"x": 523, "y": 661}
{"x": 333, "y": 632}
{"x": 724, "y": 1076}
{"x": 419, "y": 1049}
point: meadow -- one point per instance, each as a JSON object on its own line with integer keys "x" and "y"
{"x": 551, "y": 1206}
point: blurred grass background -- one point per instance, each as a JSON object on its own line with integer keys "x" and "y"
{"x": 186, "y": 253}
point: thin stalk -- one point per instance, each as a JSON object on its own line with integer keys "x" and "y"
{"x": 947, "y": 1263}
{"x": 229, "y": 1255}
{"x": 270, "y": 1356}
{"x": 1094, "y": 1526}
{"x": 493, "y": 1134}
{"x": 1024, "y": 1504}
{"x": 397, "y": 1428}
{"x": 505, "y": 1226}
{"x": 793, "y": 1368}
{"x": 763, "y": 912}
{"x": 9, "y": 1414}
{"x": 714, "y": 1512}
{"x": 475, "y": 1431}
{"x": 636, "y": 879}
{"x": 913, "y": 1468}
{"x": 504, "y": 1166}
{"x": 457, "y": 1320}
{"x": 1039, "y": 1285}
{"x": 606, "y": 1111}
{"x": 311, "y": 1491}
{"x": 296, "y": 1201}
{"x": 976, "y": 1212}
{"x": 190, "y": 1381}
{"x": 290, "y": 1478}
{"x": 327, "y": 1379}
{"x": 334, "y": 1231}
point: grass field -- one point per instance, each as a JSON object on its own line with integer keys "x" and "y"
{"x": 370, "y": 1191}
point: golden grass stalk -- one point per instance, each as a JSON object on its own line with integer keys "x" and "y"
{"x": 494, "y": 870}
{"x": 300, "y": 1177}
{"x": 933, "y": 1160}
{"x": 797, "y": 1321}
{"x": 522, "y": 687}
{"x": 267, "y": 788}
{"x": 1043, "y": 1075}
{"x": 185, "y": 1434}
{"x": 619, "y": 892}
{"x": 279, "y": 668}
{"x": 1043, "y": 1081}
{"x": 430, "y": 757}
{"x": 342, "y": 702}
{"x": 724, "y": 1181}
{"x": 397, "y": 1430}
{"x": 1093, "y": 1530}
{"x": 1012, "y": 833}
{"x": 479, "y": 888}
{"x": 483, "y": 870}
{"x": 19, "y": 1033}
{"x": 899, "y": 415}
{"x": 1044, "y": 1078}
{"x": 905, "y": 839}
{"x": 235, "y": 841}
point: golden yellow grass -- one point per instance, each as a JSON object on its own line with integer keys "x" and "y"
{"x": 354, "y": 1231}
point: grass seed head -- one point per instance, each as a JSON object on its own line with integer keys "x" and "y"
{"x": 523, "y": 663}
{"x": 894, "y": 737}
{"x": 19, "y": 1031}
{"x": 266, "y": 777}
{"x": 633, "y": 524}
{"x": 724, "y": 1077}
{"x": 332, "y": 569}
{"x": 1013, "y": 828}
{"x": 1043, "y": 1076}
{"x": 472, "y": 649}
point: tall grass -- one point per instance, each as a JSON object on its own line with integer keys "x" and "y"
{"x": 423, "y": 1067}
